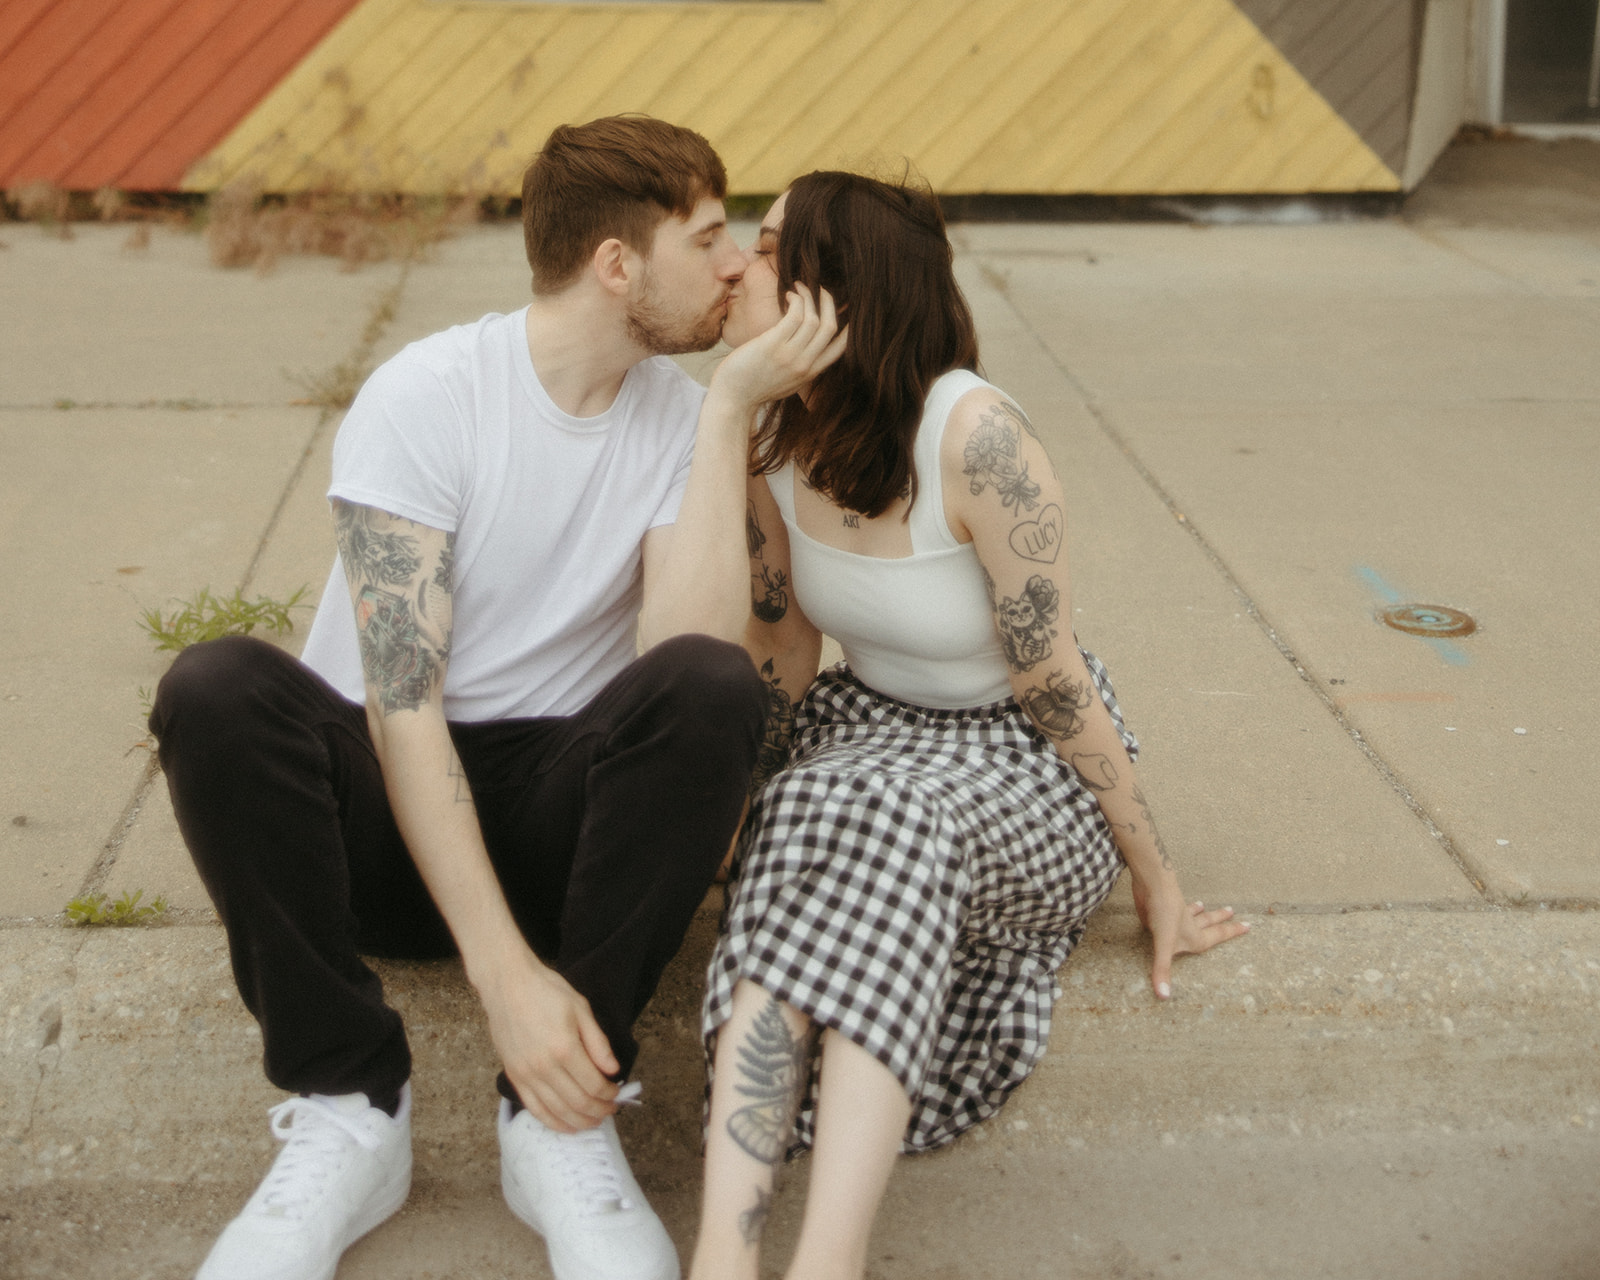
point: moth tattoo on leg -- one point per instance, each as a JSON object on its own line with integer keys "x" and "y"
{"x": 1025, "y": 622}
{"x": 772, "y": 1064}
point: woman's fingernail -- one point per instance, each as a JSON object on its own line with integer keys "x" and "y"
{"x": 1245, "y": 925}
{"x": 1163, "y": 990}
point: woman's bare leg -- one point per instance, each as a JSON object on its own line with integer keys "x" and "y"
{"x": 861, "y": 1116}
{"x": 763, "y": 1059}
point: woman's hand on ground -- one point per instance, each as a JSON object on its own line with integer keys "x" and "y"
{"x": 787, "y": 356}
{"x": 1178, "y": 927}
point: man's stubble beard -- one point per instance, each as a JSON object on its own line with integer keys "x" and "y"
{"x": 663, "y": 332}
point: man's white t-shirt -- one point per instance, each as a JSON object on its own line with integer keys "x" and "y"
{"x": 548, "y": 513}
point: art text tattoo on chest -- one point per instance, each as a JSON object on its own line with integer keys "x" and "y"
{"x": 991, "y": 459}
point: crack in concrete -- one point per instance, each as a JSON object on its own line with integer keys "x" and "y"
{"x": 379, "y": 317}
{"x": 1384, "y": 769}
{"x": 120, "y": 831}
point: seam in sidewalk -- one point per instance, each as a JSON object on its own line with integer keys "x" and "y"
{"x": 378, "y": 320}
{"x": 1384, "y": 769}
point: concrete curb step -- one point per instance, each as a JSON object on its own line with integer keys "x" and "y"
{"x": 1418, "y": 1043}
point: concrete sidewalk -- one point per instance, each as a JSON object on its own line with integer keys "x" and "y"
{"x": 1269, "y": 434}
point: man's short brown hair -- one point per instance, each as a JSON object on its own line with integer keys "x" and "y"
{"x": 619, "y": 176}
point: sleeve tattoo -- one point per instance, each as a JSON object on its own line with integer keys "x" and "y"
{"x": 1155, "y": 832}
{"x": 773, "y": 753}
{"x": 769, "y": 589}
{"x": 403, "y": 605}
{"x": 990, "y": 459}
{"x": 1024, "y": 623}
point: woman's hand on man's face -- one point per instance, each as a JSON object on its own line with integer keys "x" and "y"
{"x": 787, "y": 356}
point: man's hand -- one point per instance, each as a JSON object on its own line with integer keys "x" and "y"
{"x": 553, "y": 1050}
{"x": 787, "y": 356}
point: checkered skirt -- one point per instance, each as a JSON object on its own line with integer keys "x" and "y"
{"x": 914, "y": 878}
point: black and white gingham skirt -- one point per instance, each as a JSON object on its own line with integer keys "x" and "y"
{"x": 914, "y": 878}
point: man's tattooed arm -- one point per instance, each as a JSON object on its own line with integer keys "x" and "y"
{"x": 401, "y": 581}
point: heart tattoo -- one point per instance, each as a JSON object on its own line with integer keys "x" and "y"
{"x": 1039, "y": 540}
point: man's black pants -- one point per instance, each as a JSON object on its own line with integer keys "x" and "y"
{"x": 605, "y": 829}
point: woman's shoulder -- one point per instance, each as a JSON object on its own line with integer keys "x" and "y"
{"x": 984, "y": 416}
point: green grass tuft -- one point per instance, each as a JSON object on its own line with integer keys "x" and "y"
{"x": 95, "y": 908}
{"x": 209, "y": 617}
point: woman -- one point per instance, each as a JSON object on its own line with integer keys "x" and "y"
{"x": 957, "y": 798}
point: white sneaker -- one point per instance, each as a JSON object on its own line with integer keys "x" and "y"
{"x": 576, "y": 1190}
{"x": 344, "y": 1168}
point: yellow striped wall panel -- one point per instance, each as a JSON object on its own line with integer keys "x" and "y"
{"x": 1017, "y": 96}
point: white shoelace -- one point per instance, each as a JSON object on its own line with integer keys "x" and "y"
{"x": 316, "y": 1136}
{"x": 588, "y": 1165}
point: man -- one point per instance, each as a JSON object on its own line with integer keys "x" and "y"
{"x": 516, "y": 516}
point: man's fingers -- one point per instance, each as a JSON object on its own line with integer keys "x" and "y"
{"x": 597, "y": 1046}
{"x": 552, "y": 1109}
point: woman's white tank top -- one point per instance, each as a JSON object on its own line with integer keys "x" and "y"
{"x": 919, "y": 628}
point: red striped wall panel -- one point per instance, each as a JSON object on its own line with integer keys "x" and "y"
{"x": 129, "y": 93}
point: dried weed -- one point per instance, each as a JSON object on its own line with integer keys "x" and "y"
{"x": 248, "y": 228}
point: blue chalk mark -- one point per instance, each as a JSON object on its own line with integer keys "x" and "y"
{"x": 1380, "y": 588}
{"x": 1387, "y": 594}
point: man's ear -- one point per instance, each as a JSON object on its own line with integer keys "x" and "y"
{"x": 616, "y": 266}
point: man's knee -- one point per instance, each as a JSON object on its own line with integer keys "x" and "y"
{"x": 207, "y": 683}
{"x": 711, "y": 684}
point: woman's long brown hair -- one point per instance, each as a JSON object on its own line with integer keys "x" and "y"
{"x": 881, "y": 250}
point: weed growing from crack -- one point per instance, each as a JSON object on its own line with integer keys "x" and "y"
{"x": 335, "y": 388}
{"x": 96, "y": 908}
{"x": 208, "y": 617}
